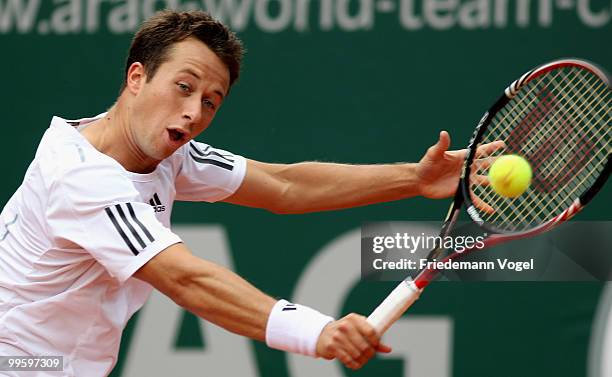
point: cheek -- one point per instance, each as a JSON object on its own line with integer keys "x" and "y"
{"x": 159, "y": 108}
{"x": 156, "y": 99}
{"x": 156, "y": 102}
{"x": 206, "y": 121}
{"x": 144, "y": 107}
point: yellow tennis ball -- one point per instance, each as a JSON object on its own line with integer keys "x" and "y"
{"x": 510, "y": 175}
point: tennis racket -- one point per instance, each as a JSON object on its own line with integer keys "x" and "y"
{"x": 556, "y": 116}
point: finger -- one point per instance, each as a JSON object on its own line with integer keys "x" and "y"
{"x": 357, "y": 342}
{"x": 352, "y": 347}
{"x": 368, "y": 331}
{"x": 347, "y": 360}
{"x": 444, "y": 140}
{"x": 484, "y": 163}
{"x": 489, "y": 148}
{"x": 383, "y": 348}
{"x": 479, "y": 180}
{"x": 361, "y": 345}
{"x": 367, "y": 355}
{"x": 348, "y": 336}
{"x": 370, "y": 339}
{"x": 457, "y": 155}
{"x": 442, "y": 145}
{"x": 481, "y": 205}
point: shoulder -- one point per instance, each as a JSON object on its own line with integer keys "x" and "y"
{"x": 207, "y": 155}
{"x": 207, "y": 173}
{"x": 66, "y": 159}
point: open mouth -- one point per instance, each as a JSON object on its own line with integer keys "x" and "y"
{"x": 176, "y": 135}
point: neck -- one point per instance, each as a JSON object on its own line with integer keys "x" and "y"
{"x": 113, "y": 136}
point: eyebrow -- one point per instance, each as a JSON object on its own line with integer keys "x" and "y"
{"x": 191, "y": 72}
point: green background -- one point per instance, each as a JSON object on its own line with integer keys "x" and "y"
{"x": 368, "y": 96}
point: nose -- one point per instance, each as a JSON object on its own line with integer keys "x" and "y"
{"x": 192, "y": 112}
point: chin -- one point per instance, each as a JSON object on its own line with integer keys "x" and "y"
{"x": 160, "y": 154}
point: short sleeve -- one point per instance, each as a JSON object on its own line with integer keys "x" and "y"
{"x": 208, "y": 174}
{"x": 97, "y": 207}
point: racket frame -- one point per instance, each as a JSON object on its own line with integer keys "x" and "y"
{"x": 510, "y": 92}
{"x": 409, "y": 290}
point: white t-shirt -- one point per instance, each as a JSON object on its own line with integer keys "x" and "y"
{"x": 77, "y": 229}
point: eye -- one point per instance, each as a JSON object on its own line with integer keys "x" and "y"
{"x": 184, "y": 87}
{"x": 209, "y": 104}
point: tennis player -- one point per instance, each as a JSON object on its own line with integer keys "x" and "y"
{"x": 86, "y": 237}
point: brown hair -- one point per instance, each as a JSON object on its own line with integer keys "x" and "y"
{"x": 156, "y": 36}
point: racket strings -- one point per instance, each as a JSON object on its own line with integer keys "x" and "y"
{"x": 570, "y": 190}
{"x": 560, "y": 123}
{"x": 559, "y": 174}
{"x": 551, "y": 149}
{"x": 552, "y": 170}
{"x": 537, "y": 136}
{"x": 563, "y": 153}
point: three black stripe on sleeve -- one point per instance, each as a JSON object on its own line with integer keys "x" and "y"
{"x": 211, "y": 156}
{"x": 129, "y": 225}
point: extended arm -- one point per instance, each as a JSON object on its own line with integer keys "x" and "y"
{"x": 220, "y": 296}
{"x": 314, "y": 186}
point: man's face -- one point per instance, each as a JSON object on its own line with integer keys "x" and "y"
{"x": 179, "y": 102}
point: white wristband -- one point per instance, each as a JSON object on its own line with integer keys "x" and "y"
{"x": 295, "y": 328}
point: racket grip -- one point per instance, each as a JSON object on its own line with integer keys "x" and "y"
{"x": 392, "y": 308}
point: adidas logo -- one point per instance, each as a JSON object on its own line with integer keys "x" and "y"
{"x": 156, "y": 204}
{"x": 289, "y": 306}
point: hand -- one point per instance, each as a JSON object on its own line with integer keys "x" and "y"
{"x": 352, "y": 340}
{"x": 439, "y": 169}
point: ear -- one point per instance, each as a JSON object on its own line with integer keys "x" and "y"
{"x": 136, "y": 77}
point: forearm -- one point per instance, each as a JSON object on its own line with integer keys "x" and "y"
{"x": 220, "y": 296}
{"x": 225, "y": 299}
{"x": 314, "y": 186}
